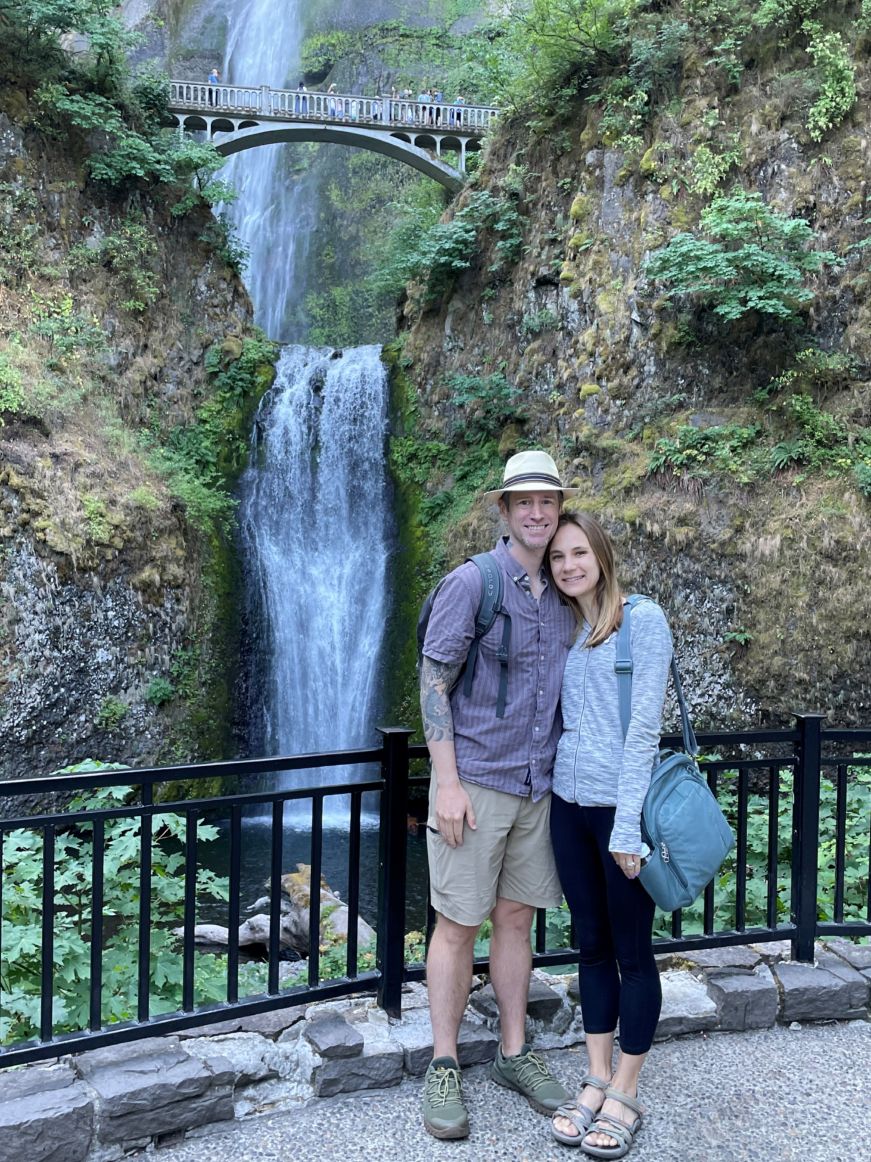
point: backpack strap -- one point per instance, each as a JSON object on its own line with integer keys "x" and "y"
{"x": 623, "y": 669}
{"x": 489, "y": 607}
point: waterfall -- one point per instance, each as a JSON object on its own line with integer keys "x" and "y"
{"x": 315, "y": 523}
{"x": 314, "y": 503}
{"x": 274, "y": 213}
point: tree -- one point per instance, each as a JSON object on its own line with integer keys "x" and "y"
{"x": 31, "y": 31}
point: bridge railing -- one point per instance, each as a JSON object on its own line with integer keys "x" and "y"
{"x": 293, "y": 104}
{"x": 100, "y": 895}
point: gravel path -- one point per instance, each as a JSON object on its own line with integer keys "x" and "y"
{"x": 801, "y": 1093}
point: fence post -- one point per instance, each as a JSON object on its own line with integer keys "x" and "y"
{"x": 806, "y": 834}
{"x": 390, "y": 949}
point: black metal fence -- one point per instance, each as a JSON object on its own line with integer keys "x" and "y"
{"x": 89, "y": 892}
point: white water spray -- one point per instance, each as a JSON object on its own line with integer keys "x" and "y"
{"x": 315, "y": 526}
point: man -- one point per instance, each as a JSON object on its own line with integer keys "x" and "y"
{"x": 488, "y": 829}
{"x": 214, "y": 80}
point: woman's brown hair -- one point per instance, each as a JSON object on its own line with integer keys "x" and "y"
{"x": 609, "y": 599}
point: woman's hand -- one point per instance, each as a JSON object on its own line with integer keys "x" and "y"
{"x": 629, "y": 864}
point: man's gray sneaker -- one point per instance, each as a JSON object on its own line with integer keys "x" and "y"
{"x": 528, "y": 1074}
{"x": 444, "y": 1113}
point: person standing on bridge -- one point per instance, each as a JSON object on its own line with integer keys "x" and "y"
{"x": 331, "y": 99}
{"x": 214, "y": 79}
{"x": 492, "y": 751}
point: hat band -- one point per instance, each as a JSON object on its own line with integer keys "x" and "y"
{"x": 533, "y": 478}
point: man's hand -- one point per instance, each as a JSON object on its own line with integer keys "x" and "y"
{"x": 452, "y": 807}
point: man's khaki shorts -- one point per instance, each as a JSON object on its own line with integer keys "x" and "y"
{"x": 508, "y": 856}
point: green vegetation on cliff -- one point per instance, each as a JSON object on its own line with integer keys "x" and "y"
{"x": 686, "y": 320}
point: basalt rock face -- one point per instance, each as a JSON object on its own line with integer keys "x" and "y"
{"x": 765, "y": 575}
{"x": 116, "y": 605}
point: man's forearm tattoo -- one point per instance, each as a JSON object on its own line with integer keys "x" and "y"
{"x": 437, "y": 679}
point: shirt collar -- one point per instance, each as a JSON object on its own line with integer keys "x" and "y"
{"x": 518, "y": 574}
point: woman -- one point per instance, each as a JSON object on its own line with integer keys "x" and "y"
{"x": 599, "y": 785}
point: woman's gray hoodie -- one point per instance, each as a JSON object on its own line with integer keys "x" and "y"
{"x": 594, "y": 767}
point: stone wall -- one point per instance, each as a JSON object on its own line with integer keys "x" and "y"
{"x": 109, "y": 1102}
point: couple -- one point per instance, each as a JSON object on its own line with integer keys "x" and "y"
{"x": 500, "y": 845}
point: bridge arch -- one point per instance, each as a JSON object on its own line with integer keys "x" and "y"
{"x": 398, "y": 150}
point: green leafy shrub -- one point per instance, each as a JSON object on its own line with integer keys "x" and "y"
{"x": 862, "y": 474}
{"x": 129, "y": 254}
{"x": 22, "y": 908}
{"x": 159, "y": 691}
{"x": 19, "y": 233}
{"x": 798, "y": 431}
{"x": 96, "y": 519}
{"x": 12, "y": 397}
{"x": 489, "y": 402}
{"x": 32, "y": 33}
{"x": 709, "y": 167}
{"x": 837, "y": 80}
{"x": 220, "y": 235}
{"x": 625, "y": 111}
{"x": 698, "y": 452}
{"x": 754, "y": 259}
{"x": 111, "y": 713}
{"x": 538, "y": 321}
{"x": 64, "y": 329}
{"x": 785, "y": 14}
{"x": 814, "y": 370}
{"x": 446, "y": 248}
{"x": 197, "y": 162}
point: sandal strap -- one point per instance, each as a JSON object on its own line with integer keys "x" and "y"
{"x": 595, "y": 1082}
{"x": 625, "y": 1099}
{"x": 579, "y": 1116}
{"x": 614, "y": 1128}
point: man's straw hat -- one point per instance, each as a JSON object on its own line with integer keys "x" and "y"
{"x": 531, "y": 472}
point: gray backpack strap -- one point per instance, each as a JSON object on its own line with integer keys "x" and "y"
{"x": 489, "y": 606}
{"x": 623, "y": 669}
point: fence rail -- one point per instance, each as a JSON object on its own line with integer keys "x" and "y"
{"x": 262, "y": 101}
{"x": 90, "y": 890}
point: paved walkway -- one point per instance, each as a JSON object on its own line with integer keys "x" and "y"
{"x": 776, "y": 1095}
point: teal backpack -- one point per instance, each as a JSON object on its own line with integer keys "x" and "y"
{"x": 489, "y": 608}
{"x": 681, "y": 821}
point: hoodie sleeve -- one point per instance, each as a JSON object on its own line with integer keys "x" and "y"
{"x": 651, "y": 658}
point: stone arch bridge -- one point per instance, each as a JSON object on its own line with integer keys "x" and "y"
{"x": 417, "y": 133}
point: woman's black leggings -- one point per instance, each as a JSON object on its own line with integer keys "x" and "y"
{"x": 613, "y": 919}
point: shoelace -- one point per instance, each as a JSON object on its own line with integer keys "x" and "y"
{"x": 443, "y": 1086}
{"x": 532, "y": 1071}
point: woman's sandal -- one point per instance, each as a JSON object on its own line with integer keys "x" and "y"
{"x": 622, "y": 1132}
{"x": 580, "y": 1116}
